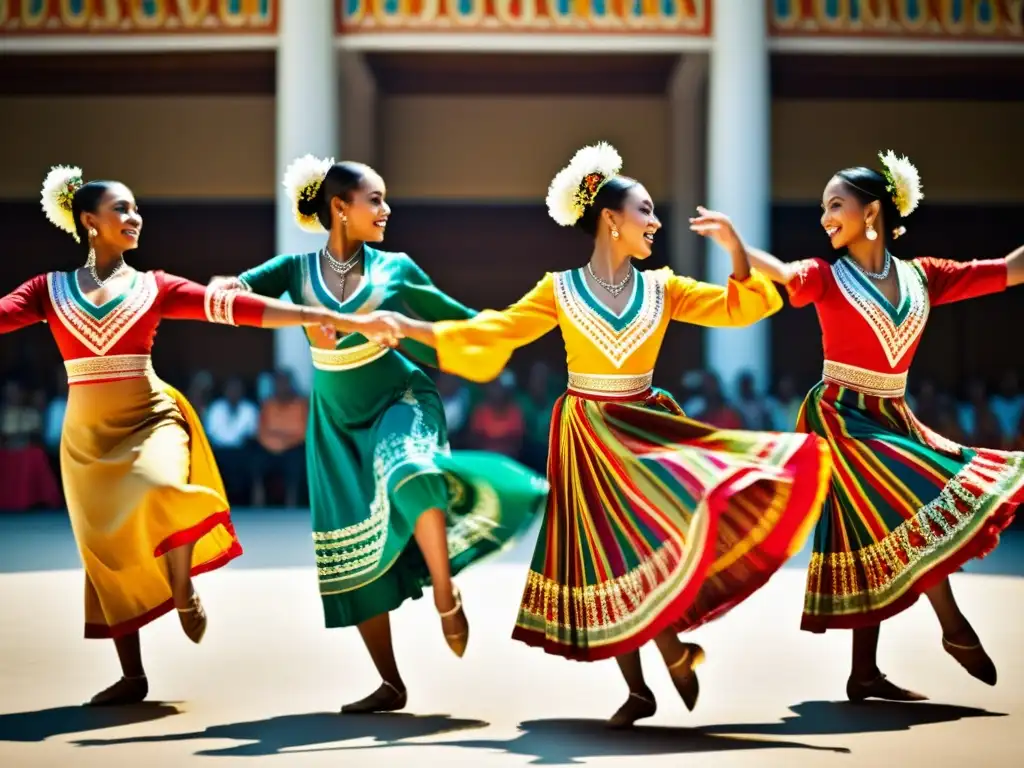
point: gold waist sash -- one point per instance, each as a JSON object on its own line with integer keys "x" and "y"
{"x": 617, "y": 385}
{"x": 89, "y": 370}
{"x": 865, "y": 381}
{"x": 348, "y": 358}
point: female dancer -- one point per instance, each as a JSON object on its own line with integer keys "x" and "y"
{"x": 655, "y": 523}
{"x": 907, "y": 507}
{"x": 380, "y": 472}
{"x": 146, "y": 501}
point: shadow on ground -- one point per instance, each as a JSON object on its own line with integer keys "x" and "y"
{"x": 832, "y": 718}
{"x": 306, "y": 732}
{"x": 544, "y": 742}
{"x": 44, "y": 723}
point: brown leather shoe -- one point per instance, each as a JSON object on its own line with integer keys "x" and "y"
{"x": 637, "y": 707}
{"x": 127, "y": 690}
{"x": 684, "y": 675}
{"x": 387, "y": 698}
{"x": 193, "y": 619}
{"x": 457, "y": 641}
{"x": 879, "y": 688}
{"x": 974, "y": 659}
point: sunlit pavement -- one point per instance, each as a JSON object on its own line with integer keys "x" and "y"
{"x": 266, "y": 683}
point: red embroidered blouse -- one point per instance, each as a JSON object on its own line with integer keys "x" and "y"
{"x": 122, "y": 330}
{"x": 862, "y": 329}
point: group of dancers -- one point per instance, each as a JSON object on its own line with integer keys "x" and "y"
{"x": 653, "y": 524}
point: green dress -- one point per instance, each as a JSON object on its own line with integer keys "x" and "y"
{"x": 377, "y": 447}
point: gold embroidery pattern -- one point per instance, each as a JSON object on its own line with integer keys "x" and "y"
{"x": 895, "y": 340}
{"x": 348, "y": 358}
{"x": 617, "y": 346}
{"x": 346, "y": 554}
{"x": 86, "y": 370}
{"x": 607, "y": 610}
{"x": 877, "y": 575}
{"x": 610, "y": 384}
{"x": 867, "y": 382}
{"x": 219, "y": 304}
{"x": 100, "y": 336}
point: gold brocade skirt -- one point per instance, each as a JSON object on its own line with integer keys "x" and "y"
{"x": 140, "y": 479}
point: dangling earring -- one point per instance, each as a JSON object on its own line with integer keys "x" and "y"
{"x": 90, "y": 260}
{"x": 615, "y": 234}
{"x": 871, "y": 234}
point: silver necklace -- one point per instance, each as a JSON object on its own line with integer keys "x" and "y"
{"x": 875, "y": 275}
{"x": 341, "y": 268}
{"x": 613, "y": 288}
{"x": 90, "y": 264}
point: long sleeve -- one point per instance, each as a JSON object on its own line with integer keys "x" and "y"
{"x": 478, "y": 349}
{"x": 425, "y": 301}
{"x": 740, "y": 303}
{"x": 23, "y": 306}
{"x": 181, "y": 299}
{"x": 950, "y": 281}
{"x": 808, "y": 284}
{"x": 271, "y": 278}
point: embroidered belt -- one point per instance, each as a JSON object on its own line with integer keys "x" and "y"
{"x": 348, "y": 358}
{"x": 613, "y": 385}
{"x": 90, "y": 370}
{"x": 864, "y": 381}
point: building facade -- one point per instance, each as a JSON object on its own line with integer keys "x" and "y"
{"x": 469, "y": 106}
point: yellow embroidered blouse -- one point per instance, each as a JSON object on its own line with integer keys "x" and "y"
{"x": 606, "y": 353}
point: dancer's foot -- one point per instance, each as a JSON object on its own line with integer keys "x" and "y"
{"x": 879, "y": 687}
{"x": 387, "y": 698}
{"x": 637, "y": 707}
{"x": 193, "y": 618}
{"x": 684, "y": 675}
{"x": 966, "y": 648}
{"x": 455, "y": 625}
{"x": 127, "y": 690}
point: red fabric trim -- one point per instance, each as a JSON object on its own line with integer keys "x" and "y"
{"x": 807, "y": 492}
{"x": 977, "y": 547}
{"x": 195, "y": 533}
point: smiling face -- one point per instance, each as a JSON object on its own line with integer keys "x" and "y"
{"x": 117, "y": 220}
{"x": 366, "y": 212}
{"x": 636, "y": 222}
{"x": 844, "y": 217}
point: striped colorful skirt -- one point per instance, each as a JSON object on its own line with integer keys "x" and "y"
{"x": 140, "y": 480}
{"x": 906, "y": 507}
{"x": 655, "y": 521}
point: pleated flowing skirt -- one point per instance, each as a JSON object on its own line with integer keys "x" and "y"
{"x": 656, "y": 521}
{"x": 905, "y": 509}
{"x": 140, "y": 479}
{"x": 370, "y": 482}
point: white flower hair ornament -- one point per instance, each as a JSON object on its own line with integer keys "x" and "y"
{"x": 59, "y": 189}
{"x": 302, "y": 180}
{"x": 575, "y": 186}
{"x": 903, "y": 182}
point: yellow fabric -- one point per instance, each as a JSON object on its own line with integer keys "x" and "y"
{"x": 137, "y": 470}
{"x": 478, "y": 349}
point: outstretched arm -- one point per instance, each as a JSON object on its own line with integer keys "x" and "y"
{"x": 23, "y": 306}
{"x": 182, "y": 299}
{"x": 719, "y": 228}
{"x": 951, "y": 281}
{"x": 479, "y": 348}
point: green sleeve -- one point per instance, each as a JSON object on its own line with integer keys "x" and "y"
{"x": 423, "y": 300}
{"x": 271, "y": 278}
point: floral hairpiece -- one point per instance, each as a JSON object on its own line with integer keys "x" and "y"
{"x": 302, "y": 180}
{"x": 58, "y": 191}
{"x": 575, "y": 186}
{"x": 902, "y": 181}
